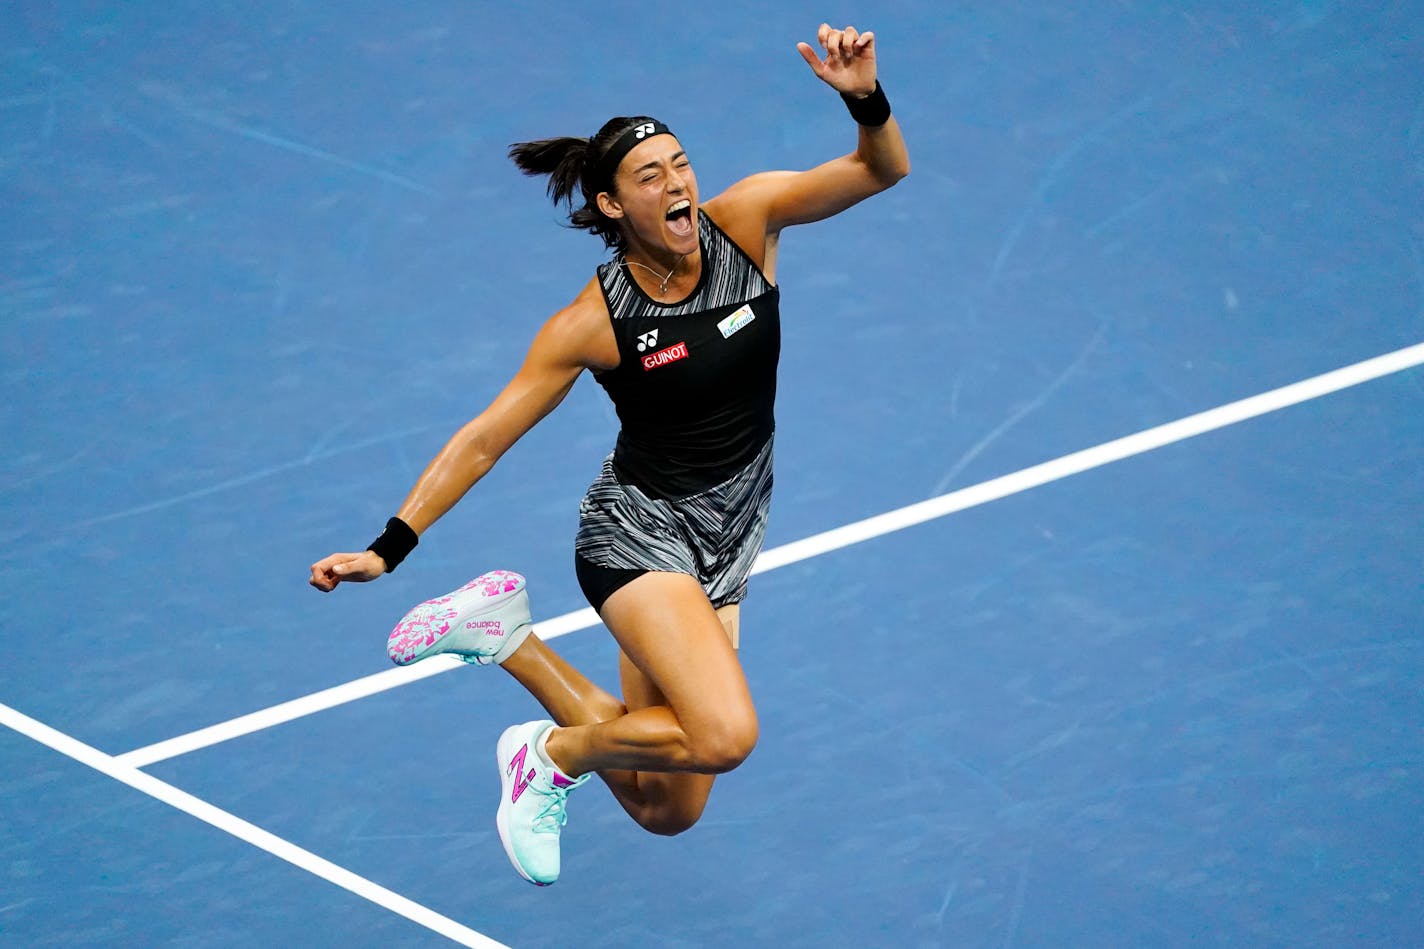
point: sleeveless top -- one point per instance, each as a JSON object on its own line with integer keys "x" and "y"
{"x": 696, "y": 382}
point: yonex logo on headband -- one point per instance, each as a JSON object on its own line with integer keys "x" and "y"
{"x": 622, "y": 145}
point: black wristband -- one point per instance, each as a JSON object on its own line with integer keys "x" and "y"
{"x": 872, "y": 111}
{"x": 394, "y": 543}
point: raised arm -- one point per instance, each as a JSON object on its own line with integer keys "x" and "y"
{"x": 774, "y": 200}
{"x": 567, "y": 344}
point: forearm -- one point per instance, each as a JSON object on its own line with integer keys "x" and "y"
{"x": 546, "y": 377}
{"x": 464, "y": 460}
{"x": 881, "y": 149}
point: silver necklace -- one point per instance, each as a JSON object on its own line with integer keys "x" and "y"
{"x": 663, "y": 285}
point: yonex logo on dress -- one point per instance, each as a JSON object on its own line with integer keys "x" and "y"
{"x": 647, "y": 341}
{"x": 663, "y": 357}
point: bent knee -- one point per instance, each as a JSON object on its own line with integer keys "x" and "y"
{"x": 671, "y": 803}
{"x": 669, "y": 821}
{"x": 724, "y": 748}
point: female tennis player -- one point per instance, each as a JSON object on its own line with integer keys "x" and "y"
{"x": 681, "y": 327}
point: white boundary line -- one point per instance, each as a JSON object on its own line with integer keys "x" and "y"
{"x": 241, "y": 829}
{"x": 827, "y": 541}
{"x": 328, "y": 698}
{"x": 1095, "y": 457}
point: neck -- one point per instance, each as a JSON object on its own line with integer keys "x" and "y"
{"x": 662, "y": 272}
{"x": 661, "y": 260}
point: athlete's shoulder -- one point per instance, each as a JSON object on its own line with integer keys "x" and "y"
{"x": 743, "y": 212}
{"x": 581, "y": 332}
{"x": 747, "y": 198}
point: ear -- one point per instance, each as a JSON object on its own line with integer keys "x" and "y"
{"x": 609, "y": 205}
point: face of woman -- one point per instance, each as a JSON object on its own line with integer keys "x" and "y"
{"x": 655, "y": 197}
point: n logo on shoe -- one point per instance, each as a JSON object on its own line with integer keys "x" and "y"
{"x": 521, "y": 780}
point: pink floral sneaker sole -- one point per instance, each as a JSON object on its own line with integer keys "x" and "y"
{"x": 483, "y": 622}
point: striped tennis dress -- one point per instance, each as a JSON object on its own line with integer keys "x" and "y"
{"x": 687, "y": 487}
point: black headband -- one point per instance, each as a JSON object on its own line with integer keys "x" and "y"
{"x": 632, "y": 137}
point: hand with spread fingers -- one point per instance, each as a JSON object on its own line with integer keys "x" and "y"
{"x": 849, "y": 66}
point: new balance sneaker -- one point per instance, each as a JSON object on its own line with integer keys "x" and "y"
{"x": 484, "y": 621}
{"x": 531, "y": 811}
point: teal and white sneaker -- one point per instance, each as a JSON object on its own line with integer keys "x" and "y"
{"x": 531, "y": 811}
{"x": 484, "y": 621}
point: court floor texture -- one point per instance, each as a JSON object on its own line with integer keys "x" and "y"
{"x": 1092, "y": 605}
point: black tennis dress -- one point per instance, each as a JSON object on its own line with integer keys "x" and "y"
{"x": 687, "y": 488}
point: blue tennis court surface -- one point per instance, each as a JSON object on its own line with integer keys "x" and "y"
{"x": 258, "y": 263}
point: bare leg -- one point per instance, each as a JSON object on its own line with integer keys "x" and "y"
{"x": 670, "y": 802}
{"x": 689, "y": 706}
{"x": 571, "y": 699}
{"x": 661, "y": 802}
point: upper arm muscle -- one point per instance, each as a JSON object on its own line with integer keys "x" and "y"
{"x": 566, "y": 345}
{"x": 774, "y": 200}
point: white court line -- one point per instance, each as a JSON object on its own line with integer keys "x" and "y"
{"x": 243, "y": 830}
{"x": 827, "y": 541}
{"x": 329, "y": 698}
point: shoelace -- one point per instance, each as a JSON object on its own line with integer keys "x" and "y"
{"x": 553, "y": 816}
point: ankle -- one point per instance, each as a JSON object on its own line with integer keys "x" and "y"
{"x": 553, "y": 749}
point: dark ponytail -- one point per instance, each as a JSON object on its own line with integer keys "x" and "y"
{"x": 562, "y": 159}
{"x": 571, "y": 163}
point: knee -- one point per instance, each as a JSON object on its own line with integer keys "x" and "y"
{"x": 720, "y": 749}
{"x": 670, "y": 821}
{"x": 608, "y": 709}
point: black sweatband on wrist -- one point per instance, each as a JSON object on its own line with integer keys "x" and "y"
{"x": 394, "y": 543}
{"x": 872, "y": 111}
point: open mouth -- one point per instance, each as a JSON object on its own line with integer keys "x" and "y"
{"x": 679, "y": 218}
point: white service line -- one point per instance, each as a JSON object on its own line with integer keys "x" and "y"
{"x": 328, "y": 698}
{"x": 1095, "y": 457}
{"x": 813, "y": 546}
{"x": 241, "y": 829}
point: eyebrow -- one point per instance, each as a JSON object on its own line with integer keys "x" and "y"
{"x": 654, "y": 164}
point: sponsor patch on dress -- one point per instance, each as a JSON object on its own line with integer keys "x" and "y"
{"x": 737, "y": 320}
{"x": 665, "y": 356}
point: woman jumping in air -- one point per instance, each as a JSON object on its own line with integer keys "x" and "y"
{"x": 681, "y": 327}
